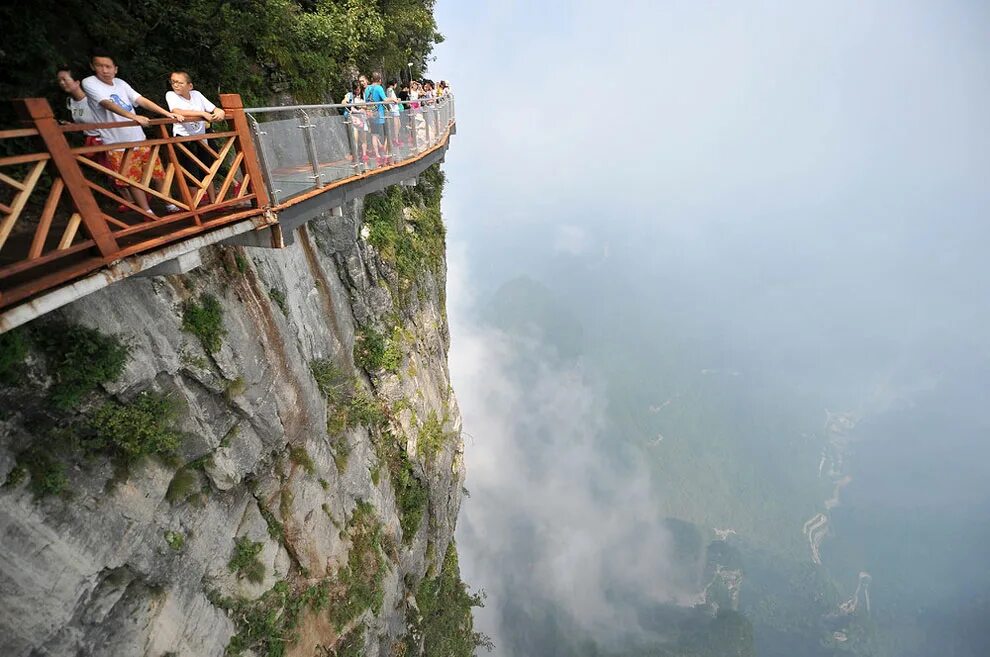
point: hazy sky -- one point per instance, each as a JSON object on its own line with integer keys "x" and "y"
{"x": 808, "y": 180}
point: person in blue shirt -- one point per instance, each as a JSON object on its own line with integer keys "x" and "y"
{"x": 375, "y": 93}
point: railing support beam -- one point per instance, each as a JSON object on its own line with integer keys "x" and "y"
{"x": 232, "y": 105}
{"x": 314, "y": 160}
{"x": 39, "y": 113}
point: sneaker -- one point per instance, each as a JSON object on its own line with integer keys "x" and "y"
{"x": 171, "y": 207}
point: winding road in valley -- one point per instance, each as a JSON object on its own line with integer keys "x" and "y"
{"x": 815, "y": 529}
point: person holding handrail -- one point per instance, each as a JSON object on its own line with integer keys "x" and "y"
{"x": 77, "y": 103}
{"x": 195, "y": 110}
{"x": 112, "y": 100}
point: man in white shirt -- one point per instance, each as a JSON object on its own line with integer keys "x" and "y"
{"x": 80, "y": 111}
{"x": 190, "y": 104}
{"x": 112, "y": 100}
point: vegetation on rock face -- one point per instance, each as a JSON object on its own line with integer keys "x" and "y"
{"x": 445, "y": 623}
{"x": 299, "y": 456}
{"x": 352, "y": 644}
{"x": 278, "y": 296}
{"x": 47, "y": 472}
{"x": 182, "y": 486}
{"x": 360, "y": 579}
{"x": 374, "y": 352}
{"x": 348, "y": 403}
{"x": 235, "y": 388}
{"x": 275, "y": 528}
{"x": 245, "y": 560}
{"x": 140, "y": 428}
{"x": 431, "y": 436}
{"x": 175, "y": 540}
{"x": 268, "y": 625}
{"x": 241, "y": 262}
{"x": 411, "y": 495}
{"x": 79, "y": 359}
{"x": 13, "y": 350}
{"x": 204, "y": 320}
{"x": 414, "y": 243}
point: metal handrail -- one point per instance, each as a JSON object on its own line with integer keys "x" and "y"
{"x": 347, "y": 106}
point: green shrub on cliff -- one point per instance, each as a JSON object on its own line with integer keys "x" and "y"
{"x": 47, "y": 472}
{"x": 411, "y": 495}
{"x": 361, "y": 578}
{"x": 267, "y": 625}
{"x": 79, "y": 359}
{"x": 245, "y": 560}
{"x": 431, "y": 436}
{"x": 139, "y": 428}
{"x": 373, "y": 352}
{"x": 445, "y": 621}
{"x": 414, "y": 243}
{"x": 13, "y": 350}
{"x": 348, "y": 403}
{"x": 204, "y": 320}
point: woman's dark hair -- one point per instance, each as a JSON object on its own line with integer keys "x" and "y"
{"x": 74, "y": 71}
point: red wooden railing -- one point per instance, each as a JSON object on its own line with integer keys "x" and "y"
{"x": 62, "y": 214}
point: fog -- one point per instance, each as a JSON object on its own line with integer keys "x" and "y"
{"x": 682, "y": 236}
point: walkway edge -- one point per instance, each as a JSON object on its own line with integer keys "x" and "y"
{"x": 61, "y": 296}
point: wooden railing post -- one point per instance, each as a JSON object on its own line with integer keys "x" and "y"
{"x": 39, "y": 113}
{"x": 232, "y": 105}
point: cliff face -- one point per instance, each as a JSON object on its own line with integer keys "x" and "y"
{"x": 277, "y": 467}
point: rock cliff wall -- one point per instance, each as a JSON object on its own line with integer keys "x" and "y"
{"x": 262, "y": 456}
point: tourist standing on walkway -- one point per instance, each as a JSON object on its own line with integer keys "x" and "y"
{"x": 395, "y": 111}
{"x": 375, "y": 93}
{"x": 112, "y": 100}
{"x": 356, "y": 115}
{"x": 78, "y": 105}
{"x": 418, "y": 122}
{"x": 195, "y": 110}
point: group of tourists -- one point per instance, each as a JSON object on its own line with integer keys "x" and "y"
{"x": 377, "y": 113}
{"x": 105, "y": 98}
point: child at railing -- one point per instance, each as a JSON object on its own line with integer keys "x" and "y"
{"x": 190, "y": 104}
{"x": 112, "y": 100}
